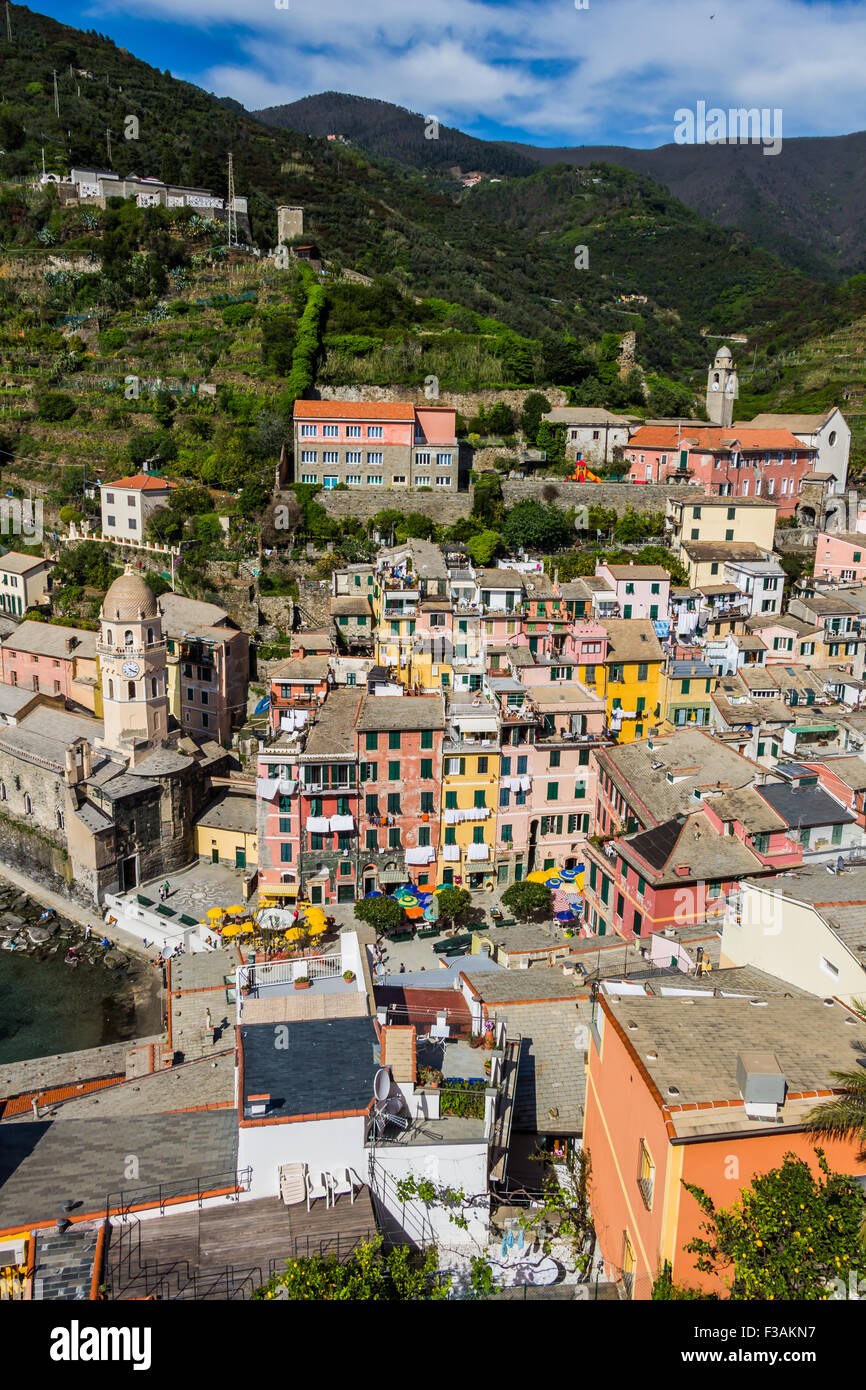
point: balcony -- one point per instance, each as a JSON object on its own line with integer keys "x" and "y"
{"x": 117, "y": 650}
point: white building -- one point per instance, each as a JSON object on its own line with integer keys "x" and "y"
{"x": 128, "y": 504}
{"x": 592, "y": 433}
{"x": 761, "y": 581}
{"x": 24, "y": 583}
{"x": 828, "y": 433}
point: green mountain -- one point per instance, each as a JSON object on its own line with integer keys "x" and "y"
{"x": 806, "y": 205}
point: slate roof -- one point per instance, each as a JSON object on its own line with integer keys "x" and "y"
{"x": 328, "y": 1066}
{"x": 44, "y": 1163}
{"x": 696, "y": 759}
{"x": 805, "y": 806}
{"x": 696, "y": 843}
{"x": 333, "y": 733}
{"x": 702, "y": 552}
{"x": 499, "y": 579}
{"x": 631, "y": 639}
{"x": 13, "y": 563}
{"x": 49, "y": 639}
{"x": 181, "y": 614}
{"x": 231, "y": 811}
{"x": 409, "y": 712}
{"x": 658, "y": 844}
{"x": 695, "y": 1047}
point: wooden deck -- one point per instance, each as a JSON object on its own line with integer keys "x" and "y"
{"x": 226, "y": 1252}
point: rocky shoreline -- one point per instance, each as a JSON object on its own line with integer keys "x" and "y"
{"x": 23, "y": 928}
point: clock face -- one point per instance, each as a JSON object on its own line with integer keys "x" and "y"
{"x": 130, "y": 668}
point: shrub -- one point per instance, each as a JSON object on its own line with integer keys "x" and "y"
{"x": 55, "y": 406}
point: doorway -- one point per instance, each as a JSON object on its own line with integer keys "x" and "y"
{"x": 316, "y": 894}
{"x": 129, "y": 873}
{"x": 240, "y": 857}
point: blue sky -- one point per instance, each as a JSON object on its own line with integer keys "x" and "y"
{"x": 535, "y": 70}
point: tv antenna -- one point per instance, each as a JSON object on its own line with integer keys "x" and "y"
{"x": 385, "y": 1105}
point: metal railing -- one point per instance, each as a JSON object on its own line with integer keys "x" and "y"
{"x": 127, "y": 1274}
{"x": 284, "y": 972}
{"x": 122, "y": 1202}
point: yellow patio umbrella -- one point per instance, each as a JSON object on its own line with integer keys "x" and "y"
{"x": 539, "y": 876}
{"x": 295, "y": 934}
{"x": 236, "y": 909}
{"x": 315, "y": 921}
{"x": 215, "y": 912}
{"x": 233, "y": 930}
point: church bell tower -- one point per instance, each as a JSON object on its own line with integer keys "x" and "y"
{"x": 722, "y": 388}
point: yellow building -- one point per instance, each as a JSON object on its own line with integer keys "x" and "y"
{"x": 705, "y": 561}
{"x": 226, "y": 832}
{"x": 470, "y": 794}
{"x": 685, "y": 688}
{"x": 395, "y": 613}
{"x": 630, "y": 677}
{"x": 711, "y": 520}
{"x": 431, "y": 645}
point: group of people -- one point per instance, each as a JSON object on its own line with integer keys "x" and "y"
{"x": 163, "y": 891}
{"x": 166, "y": 955}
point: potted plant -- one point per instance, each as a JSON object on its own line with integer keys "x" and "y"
{"x": 303, "y": 982}
{"x": 349, "y": 976}
{"x": 489, "y": 1039}
{"x": 432, "y": 1077}
{"x": 245, "y": 989}
{"x": 488, "y": 1065}
{"x": 476, "y": 1040}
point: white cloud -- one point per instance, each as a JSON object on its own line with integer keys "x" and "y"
{"x": 620, "y": 68}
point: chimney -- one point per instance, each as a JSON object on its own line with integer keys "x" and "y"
{"x": 71, "y": 643}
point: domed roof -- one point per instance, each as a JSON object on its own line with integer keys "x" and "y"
{"x": 129, "y": 599}
{"x": 723, "y": 351}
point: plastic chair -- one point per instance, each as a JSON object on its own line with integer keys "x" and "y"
{"x": 342, "y": 1183}
{"x": 317, "y": 1188}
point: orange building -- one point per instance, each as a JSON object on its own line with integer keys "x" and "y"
{"x": 705, "y": 1089}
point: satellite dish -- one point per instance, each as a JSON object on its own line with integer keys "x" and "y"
{"x": 382, "y": 1084}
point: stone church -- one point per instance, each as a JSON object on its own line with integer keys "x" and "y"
{"x": 98, "y": 807}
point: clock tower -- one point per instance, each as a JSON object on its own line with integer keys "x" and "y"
{"x": 132, "y": 660}
{"x": 722, "y": 388}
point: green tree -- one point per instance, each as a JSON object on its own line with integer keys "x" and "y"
{"x": 253, "y": 498}
{"x": 369, "y": 1273}
{"x": 483, "y": 547}
{"x": 383, "y": 914}
{"x": 528, "y": 900}
{"x": 529, "y": 525}
{"x": 454, "y": 903}
{"x": 487, "y": 504}
{"x": 669, "y": 399}
{"x": 534, "y": 407}
{"x": 500, "y": 418}
{"x": 790, "y": 1236}
{"x": 164, "y": 409}
{"x": 165, "y": 526}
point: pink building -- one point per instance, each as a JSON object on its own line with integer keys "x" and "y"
{"x": 840, "y": 556}
{"x": 642, "y": 591}
{"x": 54, "y": 660}
{"x": 754, "y": 463}
{"x": 375, "y": 444}
{"x": 296, "y": 686}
